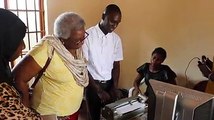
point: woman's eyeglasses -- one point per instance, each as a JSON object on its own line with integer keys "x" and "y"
{"x": 86, "y": 35}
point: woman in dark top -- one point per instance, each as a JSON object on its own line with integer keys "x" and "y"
{"x": 154, "y": 70}
{"x": 165, "y": 74}
{"x": 12, "y": 32}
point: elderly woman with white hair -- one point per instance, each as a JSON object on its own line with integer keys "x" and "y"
{"x": 59, "y": 91}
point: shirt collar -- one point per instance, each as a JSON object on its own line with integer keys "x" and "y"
{"x": 100, "y": 32}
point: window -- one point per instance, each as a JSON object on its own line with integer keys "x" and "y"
{"x": 31, "y": 12}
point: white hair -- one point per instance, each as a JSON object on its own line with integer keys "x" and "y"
{"x": 66, "y": 22}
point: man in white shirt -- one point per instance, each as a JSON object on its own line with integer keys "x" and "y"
{"x": 103, "y": 51}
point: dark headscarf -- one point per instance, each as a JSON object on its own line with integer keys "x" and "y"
{"x": 12, "y": 32}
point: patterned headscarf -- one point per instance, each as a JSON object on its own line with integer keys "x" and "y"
{"x": 12, "y": 32}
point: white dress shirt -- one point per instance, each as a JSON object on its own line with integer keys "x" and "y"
{"x": 101, "y": 51}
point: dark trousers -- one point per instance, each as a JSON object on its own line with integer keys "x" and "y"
{"x": 93, "y": 100}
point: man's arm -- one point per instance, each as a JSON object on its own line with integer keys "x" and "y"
{"x": 116, "y": 73}
{"x": 103, "y": 95}
{"x": 115, "y": 93}
{"x": 93, "y": 85}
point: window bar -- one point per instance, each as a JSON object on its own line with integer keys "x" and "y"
{"x": 12, "y": 63}
{"x": 42, "y": 19}
{"x": 36, "y": 25}
{"x": 27, "y": 22}
{"x": 5, "y": 4}
{"x": 17, "y": 8}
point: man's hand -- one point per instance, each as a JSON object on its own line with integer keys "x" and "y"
{"x": 116, "y": 94}
{"x": 104, "y": 96}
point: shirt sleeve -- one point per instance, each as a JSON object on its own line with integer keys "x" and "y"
{"x": 118, "y": 50}
{"x": 142, "y": 69}
{"x": 40, "y": 53}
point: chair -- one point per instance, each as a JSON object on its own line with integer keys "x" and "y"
{"x": 142, "y": 87}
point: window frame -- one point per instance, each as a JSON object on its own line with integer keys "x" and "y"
{"x": 39, "y": 31}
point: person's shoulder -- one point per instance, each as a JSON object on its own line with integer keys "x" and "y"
{"x": 44, "y": 41}
{"x": 165, "y": 66}
{"x": 48, "y": 37}
{"x": 92, "y": 28}
{"x": 115, "y": 34}
{"x": 40, "y": 46}
{"x": 144, "y": 66}
{"x": 116, "y": 37}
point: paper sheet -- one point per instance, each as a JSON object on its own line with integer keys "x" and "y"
{"x": 130, "y": 107}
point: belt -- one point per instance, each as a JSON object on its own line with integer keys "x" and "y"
{"x": 102, "y": 81}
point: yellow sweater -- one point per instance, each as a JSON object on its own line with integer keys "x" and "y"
{"x": 56, "y": 92}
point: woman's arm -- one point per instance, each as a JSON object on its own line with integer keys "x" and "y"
{"x": 171, "y": 75}
{"x": 23, "y": 72}
{"x": 137, "y": 84}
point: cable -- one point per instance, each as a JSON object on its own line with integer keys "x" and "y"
{"x": 187, "y": 81}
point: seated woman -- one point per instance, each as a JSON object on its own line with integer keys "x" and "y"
{"x": 154, "y": 70}
{"x": 12, "y": 32}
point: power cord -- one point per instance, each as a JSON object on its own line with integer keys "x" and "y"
{"x": 187, "y": 81}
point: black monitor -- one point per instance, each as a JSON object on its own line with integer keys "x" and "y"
{"x": 173, "y": 102}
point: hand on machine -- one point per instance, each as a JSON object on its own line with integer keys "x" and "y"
{"x": 142, "y": 98}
